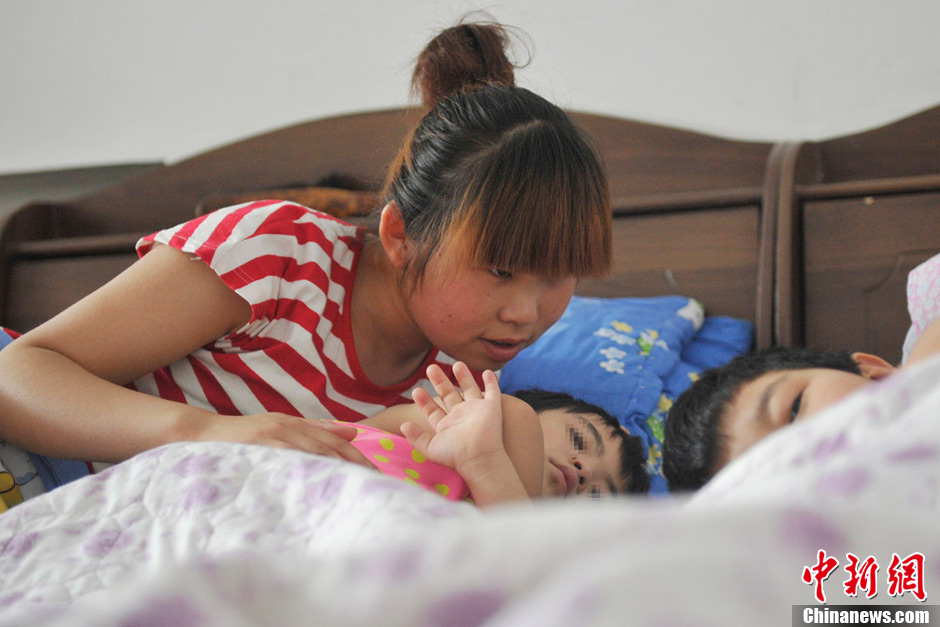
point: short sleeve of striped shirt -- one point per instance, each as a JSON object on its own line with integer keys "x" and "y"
{"x": 296, "y": 268}
{"x": 274, "y": 254}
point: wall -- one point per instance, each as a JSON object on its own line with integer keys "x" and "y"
{"x": 110, "y": 81}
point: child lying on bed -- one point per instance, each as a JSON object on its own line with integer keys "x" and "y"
{"x": 534, "y": 444}
{"x": 732, "y": 407}
{"x": 496, "y": 448}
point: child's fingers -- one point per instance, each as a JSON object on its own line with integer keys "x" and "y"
{"x": 428, "y": 406}
{"x": 449, "y": 395}
{"x": 416, "y": 436}
{"x": 468, "y": 384}
{"x": 490, "y": 385}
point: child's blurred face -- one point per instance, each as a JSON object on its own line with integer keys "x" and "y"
{"x": 780, "y": 398}
{"x": 485, "y": 316}
{"x": 582, "y": 456}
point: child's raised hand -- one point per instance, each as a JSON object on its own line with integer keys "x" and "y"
{"x": 466, "y": 424}
{"x": 448, "y": 396}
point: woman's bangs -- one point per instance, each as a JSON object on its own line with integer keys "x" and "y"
{"x": 541, "y": 207}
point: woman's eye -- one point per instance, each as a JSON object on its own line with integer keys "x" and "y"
{"x": 577, "y": 439}
{"x": 795, "y": 407}
{"x": 501, "y": 274}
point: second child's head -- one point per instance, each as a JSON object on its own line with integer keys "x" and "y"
{"x": 587, "y": 452}
{"x": 496, "y": 204}
{"x": 732, "y": 407}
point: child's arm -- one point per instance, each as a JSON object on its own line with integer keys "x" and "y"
{"x": 62, "y": 386}
{"x": 467, "y": 435}
{"x": 492, "y": 440}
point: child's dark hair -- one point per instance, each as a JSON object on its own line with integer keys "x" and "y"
{"x": 632, "y": 462}
{"x": 496, "y": 168}
{"x": 694, "y": 446}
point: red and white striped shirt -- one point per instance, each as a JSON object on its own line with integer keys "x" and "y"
{"x": 295, "y": 355}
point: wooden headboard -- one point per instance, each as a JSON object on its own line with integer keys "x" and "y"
{"x": 854, "y": 215}
{"x": 811, "y": 241}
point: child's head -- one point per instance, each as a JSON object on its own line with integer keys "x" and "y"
{"x": 732, "y": 407}
{"x": 586, "y": 449}
{"x": 494, "y": 184}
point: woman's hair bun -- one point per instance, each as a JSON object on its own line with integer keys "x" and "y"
{"x": 464, "y": 56}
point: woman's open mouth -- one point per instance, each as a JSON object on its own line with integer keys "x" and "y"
{"x": 502, "y": 350}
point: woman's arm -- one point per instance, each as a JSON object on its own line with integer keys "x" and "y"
{"x": 61, "y": 389}
{"x": 494, "y": 441}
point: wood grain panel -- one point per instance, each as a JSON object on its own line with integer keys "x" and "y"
{"x": 857, "y": 254}
{"x": 40, "y": 288}
{"x": 710, "y": 255}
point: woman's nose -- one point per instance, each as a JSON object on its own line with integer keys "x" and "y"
{"x": 522, "y": 309}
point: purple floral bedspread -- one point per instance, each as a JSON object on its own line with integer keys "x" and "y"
{"x": 226, "y": 535}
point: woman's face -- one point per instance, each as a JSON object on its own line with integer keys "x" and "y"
{"x": 485, "y": 316}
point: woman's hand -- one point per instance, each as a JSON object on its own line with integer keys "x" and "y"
{"x": 321, "y": 437}
{"x": 467, "y": 424}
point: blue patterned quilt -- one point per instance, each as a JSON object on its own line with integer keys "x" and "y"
{"x": 630, "y": 356}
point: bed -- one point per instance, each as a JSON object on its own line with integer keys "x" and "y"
{"x": 809, "y": 241}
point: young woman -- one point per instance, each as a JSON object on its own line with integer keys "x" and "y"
{"x": 236, "y": 325}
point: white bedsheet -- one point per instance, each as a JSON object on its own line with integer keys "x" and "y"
{"x": 222, "y": 534}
